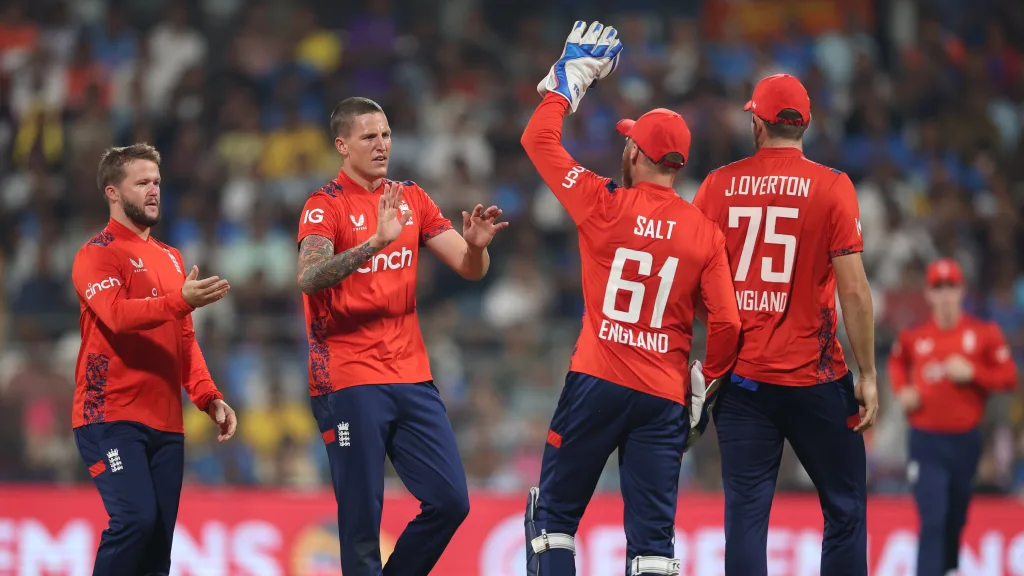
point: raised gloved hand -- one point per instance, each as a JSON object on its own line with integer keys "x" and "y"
{"x": 702, "y": 401}
{"x": 589, "y": 55}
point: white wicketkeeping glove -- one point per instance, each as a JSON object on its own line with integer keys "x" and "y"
{"x": 702, "y": 400}
{"x": 589, "y": 55}
{"x": 698, "y": 392}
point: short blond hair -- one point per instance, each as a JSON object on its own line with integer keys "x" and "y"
{"x": 347, "y": 110}
{"x": 114, "y": 160}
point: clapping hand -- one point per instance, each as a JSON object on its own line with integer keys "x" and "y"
{"x": 390, "y": 218}
{"x": 480, "y": 227}
{"x": 959, "y": 369}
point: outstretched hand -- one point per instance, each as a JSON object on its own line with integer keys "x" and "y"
{"x": 590, "y": 53}
{"x": 198, "y": 293}
{"x": 480, "y": 227}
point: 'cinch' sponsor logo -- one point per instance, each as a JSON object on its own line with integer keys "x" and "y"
{"x": 392, "y": 261}
{"x": 95, "y": 288}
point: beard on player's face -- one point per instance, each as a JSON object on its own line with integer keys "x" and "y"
{"x": 141, "y": 214}
{"x": 627, "y": 173}
{"x": 759, "y": 130}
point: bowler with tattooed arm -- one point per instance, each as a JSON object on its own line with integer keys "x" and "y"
{"x": 369, "y": 375}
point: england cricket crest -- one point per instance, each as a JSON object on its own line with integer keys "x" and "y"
{"x": 114, "y": 460}
{"x": 403, "y": 208}
{"x": 970, "y": 341}
{"x": 343, "y": 435}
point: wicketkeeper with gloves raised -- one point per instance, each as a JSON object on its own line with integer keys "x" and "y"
{"x": 649, "y": 259}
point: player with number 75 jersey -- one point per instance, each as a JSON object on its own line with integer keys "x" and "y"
{"x": 785, "y": 218}
{"x": 793, "y": 234}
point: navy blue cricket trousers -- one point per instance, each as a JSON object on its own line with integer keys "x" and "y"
{"x": 407, "y": 423}
{"x": 752, "y": 420}
{"x": 138, "y": 471}
{"x": 593, "y": 418}
{"x": 941, "y": 470}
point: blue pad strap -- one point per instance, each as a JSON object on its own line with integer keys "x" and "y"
{"x": 746, "y": 383}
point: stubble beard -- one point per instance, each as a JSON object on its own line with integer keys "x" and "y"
{"x": 137, "y": 214}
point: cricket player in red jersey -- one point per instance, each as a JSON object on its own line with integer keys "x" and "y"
{"x": 138, "y": 350}
{"x": 647, "y": 257}
{"x": 942, "y": 373}
{"x": 369, "y": 375}
{"x": 793, "y": 234}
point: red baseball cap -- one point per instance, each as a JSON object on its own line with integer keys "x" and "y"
{"x": 777, "y": 93}
{"x": 944, "y": 271}
{"x": 659, "y": 133}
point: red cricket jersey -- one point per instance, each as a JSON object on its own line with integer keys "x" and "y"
{"x": 918, "y": 358}
{"x": 138, "y": 345}
{"x": 784, "y": 219}
{"x": 365, "y": 329}
{"x": 647, "y": 256}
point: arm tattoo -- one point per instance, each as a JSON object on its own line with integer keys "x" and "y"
{"x": 320, "y": 268}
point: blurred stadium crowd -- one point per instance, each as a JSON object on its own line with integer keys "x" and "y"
{"x": 922, "y": 103}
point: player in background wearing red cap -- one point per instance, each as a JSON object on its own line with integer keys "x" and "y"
{"x": 647, "y": 256}
{"x": 793, "y": 234}
{"x": 369, "y": 375}
{"x": 942, "y": 373}
{"x": 138, "y": 351}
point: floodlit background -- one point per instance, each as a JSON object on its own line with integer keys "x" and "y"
{"x": 921, "y": 102}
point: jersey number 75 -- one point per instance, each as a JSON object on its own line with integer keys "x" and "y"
{"x": 755, "y": 214}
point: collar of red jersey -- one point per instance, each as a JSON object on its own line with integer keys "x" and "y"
{"x": 121, "y": 231}
{"x": 655, "y": 187}
{"x": 961, "y": 322}
{"x": 782, "y": 152}
{"x": 350, "y": 185}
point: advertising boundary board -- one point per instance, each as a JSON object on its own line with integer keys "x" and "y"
{"x": 54, "y": 531}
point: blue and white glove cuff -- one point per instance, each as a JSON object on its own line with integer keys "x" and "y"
{"x": 589, "y": 55}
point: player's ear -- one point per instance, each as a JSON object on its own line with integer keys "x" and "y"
{"x": 340, "y": 145}
{"x": 110, "y": 193}
{"x": 634, "y": 153}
